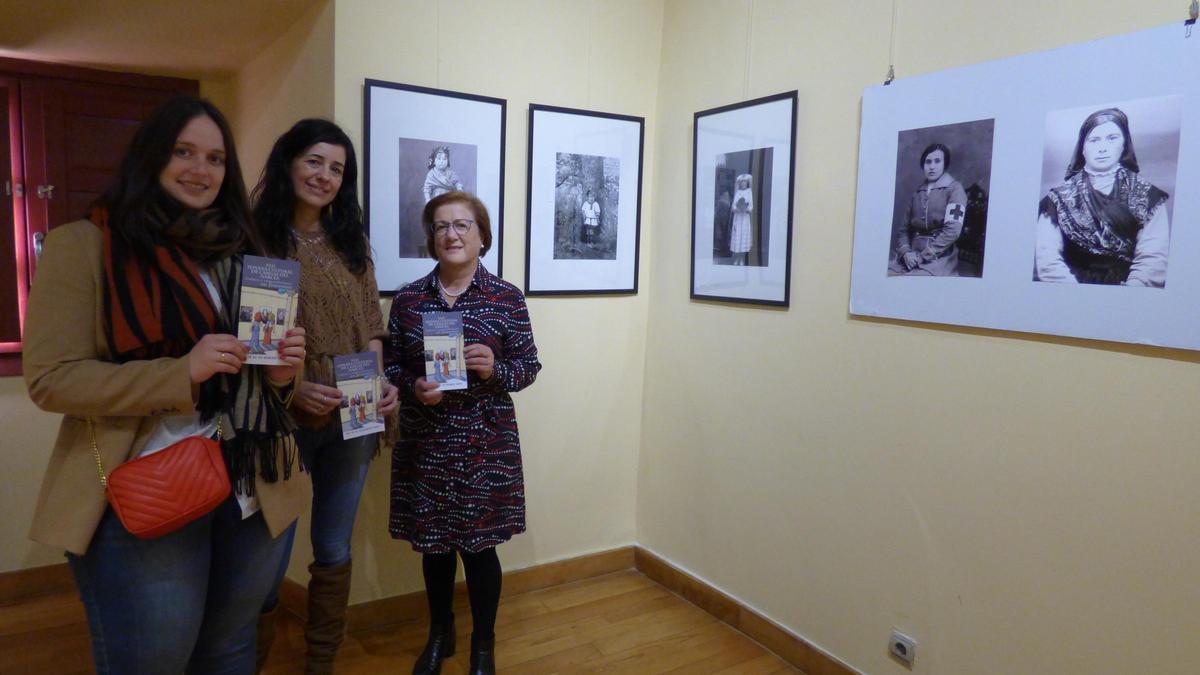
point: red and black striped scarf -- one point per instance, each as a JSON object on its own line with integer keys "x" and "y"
{"x": 163, "y": 308}
{"x": 153, "y": 310}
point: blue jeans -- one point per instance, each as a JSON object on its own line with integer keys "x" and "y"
{"x": 339, "y": 470}
{"x": 185, "y": 602}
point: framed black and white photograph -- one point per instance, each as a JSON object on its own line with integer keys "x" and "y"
{"x": 1081, "y": 223}
{"x": 420, "y": 143}
{"x": 584, "y": 202}
{"x": 943, "y": 178}
{"x": 1108, "y": 171}
{"x": 742, "y": 176}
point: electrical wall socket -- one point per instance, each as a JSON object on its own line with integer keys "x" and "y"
{"x": 903, "y": 647}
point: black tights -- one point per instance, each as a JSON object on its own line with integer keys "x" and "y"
{"x": 483, "y": 587}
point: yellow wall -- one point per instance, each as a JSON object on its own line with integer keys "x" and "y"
{"x": 25, "y": 443}
{"x": 221, "y": 93}
{"x": 581, "y": 421}
{"x": 291, "y": 79}
{"x": 1018, "y": 504}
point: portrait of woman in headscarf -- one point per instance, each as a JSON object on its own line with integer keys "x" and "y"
{"x": 1105, "y": 223}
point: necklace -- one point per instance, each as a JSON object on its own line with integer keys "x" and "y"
{"x": 447, "y": 293}
{"x": 309, "y": 238}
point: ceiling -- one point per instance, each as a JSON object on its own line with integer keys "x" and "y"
{"x": 203, "y": 39}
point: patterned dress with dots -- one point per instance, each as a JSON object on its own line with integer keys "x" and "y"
{"x": 457, "y": 482}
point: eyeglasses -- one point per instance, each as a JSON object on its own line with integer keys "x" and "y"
{"x": 461, "y": 227}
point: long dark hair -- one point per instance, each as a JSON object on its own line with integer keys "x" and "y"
{"x": 1117, "y": 117}
{"x": 275, "y": 200}
{"x": 137, "y": 190}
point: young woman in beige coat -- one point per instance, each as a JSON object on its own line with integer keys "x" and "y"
{"x": 129, "y": 332}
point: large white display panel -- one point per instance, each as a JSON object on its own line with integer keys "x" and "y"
{"x": 1037, "y": 104}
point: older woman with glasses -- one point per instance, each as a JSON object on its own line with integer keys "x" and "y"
{"x": 457, "y": 487}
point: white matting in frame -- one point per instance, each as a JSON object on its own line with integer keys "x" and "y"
{"x": 1039, "y": 104}
{"x": 418, "y": 143}
{"x": 743, "y": 158}
{"x": 584, "y": 202}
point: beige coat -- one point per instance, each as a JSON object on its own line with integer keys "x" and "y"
{"x": 67, "y": 370}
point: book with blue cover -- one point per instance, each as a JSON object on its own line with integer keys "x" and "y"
{"x": 361, "y": 385}
{"x": 267, "y": 306}
{"x": 444, "y": 360}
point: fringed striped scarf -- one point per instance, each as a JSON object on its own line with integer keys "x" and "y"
{"x": 163, "y": 309}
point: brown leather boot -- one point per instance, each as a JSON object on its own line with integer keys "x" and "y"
{"x": 266, "y": 637}
{"x": 328, "y": 593}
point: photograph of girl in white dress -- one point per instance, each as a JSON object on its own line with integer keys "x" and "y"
{"x": 939, "y": 223}
{"x": 428, "y": 168}
{"x": 1106, "y": 219}
{"x": 586, "y": 200}
{"x": 742, "y": 209}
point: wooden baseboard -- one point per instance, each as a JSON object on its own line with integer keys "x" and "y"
{"x": 790, "y": 647}
{"x": 411, "y": 606}
{"x": 36, "y": 581}
{"x": 566, "y": 571}
{"x": 22, "y": 584}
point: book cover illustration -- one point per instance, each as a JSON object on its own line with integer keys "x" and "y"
{"x": 359, "y": 380}
{"x": 444, "y": 360}
{"x": 267, "y": 308}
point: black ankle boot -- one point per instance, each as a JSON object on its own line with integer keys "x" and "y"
{"x": 483, "y": 656}
{"x": 439, "y": 646}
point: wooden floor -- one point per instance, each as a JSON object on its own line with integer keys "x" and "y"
{"x": 616, "y": 623}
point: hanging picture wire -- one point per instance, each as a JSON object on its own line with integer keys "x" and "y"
{"x": 891, "y": 71}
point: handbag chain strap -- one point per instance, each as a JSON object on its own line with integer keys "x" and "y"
{"x": 96, "y": 449}
{"x": 96, "y": 454}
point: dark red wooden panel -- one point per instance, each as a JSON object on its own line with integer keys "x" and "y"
{"x": 69, "y": 128}
{"x": 11, "y": 281}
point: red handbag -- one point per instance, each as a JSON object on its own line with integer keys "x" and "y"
{"x": 161, "y": 492}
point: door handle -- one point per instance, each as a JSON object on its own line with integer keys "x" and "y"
{"x": 45, "y": 191}
{"x": 39, "y": 239}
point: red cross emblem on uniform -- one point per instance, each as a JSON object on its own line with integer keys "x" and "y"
{"x": 954, "y": 213}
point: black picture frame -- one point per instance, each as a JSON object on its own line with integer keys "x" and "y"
{"x": 573, "y": 246}
{"x": 743, "y": 154}
{"x": 404, "y": 126}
